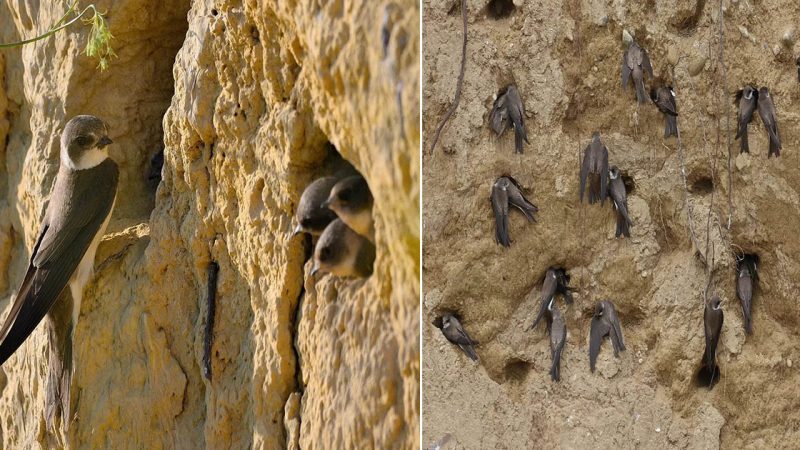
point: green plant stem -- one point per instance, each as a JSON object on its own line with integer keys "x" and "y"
{"x": 57, "y": 28}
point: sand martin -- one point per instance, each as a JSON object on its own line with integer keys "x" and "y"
{"x": 712, "y": 324}
{"x": 351, "y": 200}
{"x": 343, "y": 252}
{"x": 635, "y": 62}
{"x": 664, "y": 99}
{"x": 746, "y": 100}
{"x": 508, "y": 107}
{"x": 595, "y": 167}
{"x": 766, "y": 110}
{"x": 619, "y": 198}
{"x": 506, "y": 191}
{"x": 605, "y": 322}
{"x": 454, "y": 332}
{"x": 311, "y": 216}
{"x": 77, "y": 215}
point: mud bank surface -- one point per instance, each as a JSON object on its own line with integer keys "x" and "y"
{"x": 565, "y": 58}
{"x": 249, "y": 102}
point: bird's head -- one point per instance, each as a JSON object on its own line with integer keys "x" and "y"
{"x": 337, "y": 250}
{"x": 447, "y": 320}
{"x": 349, "y": 196}
{"x": 84, "y": 142}
{"x": 654, "y": 94}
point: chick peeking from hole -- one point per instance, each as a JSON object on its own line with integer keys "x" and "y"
{"x": 343, "y": 252}
{"x": 338, "y": 209}
{"x": 351, "y": 200}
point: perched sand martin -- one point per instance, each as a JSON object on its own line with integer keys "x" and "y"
{"x": 80, "y": 207}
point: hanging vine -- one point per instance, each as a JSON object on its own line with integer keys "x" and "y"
{"x": 99, "y": 44}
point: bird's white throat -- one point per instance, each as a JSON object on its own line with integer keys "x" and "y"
{"x": 87, "y": 160}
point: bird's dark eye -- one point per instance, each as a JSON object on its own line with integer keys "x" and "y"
{"x": 325, "y": 253}
{"x": 345, "y": 195}
{"x": 83, "y": 141}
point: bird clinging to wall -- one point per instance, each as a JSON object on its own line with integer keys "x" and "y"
{"x": 508, "y": 107}
{"x": 635, "y": 62}
{"x": 595, "y": 167}
{"x": 746, "y": 100}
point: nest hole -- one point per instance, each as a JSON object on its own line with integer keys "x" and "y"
{"x": 706, "y": 377}
{"x": 500, "y": 9}
{"x": 745, "y": 257}
{"x": 630, "y": 184}
{"x": 686, "y": 23}
{"x": 701, "y": 185}
{"x": 349, "y": 197}
{"x": 438, "y": 321}
{"x": 517, "y": 370}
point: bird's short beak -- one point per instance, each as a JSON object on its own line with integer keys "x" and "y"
{"x": 297, "y": 230}
{"x": 105, "y": 140}
{"x": 326, "y": 204}
{"x": 314, "y": 271}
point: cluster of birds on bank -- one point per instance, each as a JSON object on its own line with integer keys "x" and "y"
{"x": 604, "y": 181}
{"x": 748, "y": 99}
{"x": 605, "y": 323}
{"x": 338, "y": 210}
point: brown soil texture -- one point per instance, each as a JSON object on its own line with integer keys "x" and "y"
{"x": 565, "y": 58}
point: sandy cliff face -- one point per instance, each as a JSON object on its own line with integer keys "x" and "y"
{"x": 249, "y": 103}
{"x": 565, "y": 58}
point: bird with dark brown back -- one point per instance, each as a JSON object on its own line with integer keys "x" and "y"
{"x": 78, "y": 213}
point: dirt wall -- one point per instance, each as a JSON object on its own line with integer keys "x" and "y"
{"x": 565, "y": 57}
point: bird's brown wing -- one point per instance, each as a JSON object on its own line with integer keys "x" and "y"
{"x": 498, "y": 119}
{"x": 713, "y": 325}
{"x": 626, "y": 70}
{"x": 548, "y": 290}
{"x": 616, "y": 336}
{"x": 768, "y": 117}
{"x": 599, "y": 329}
{"x": 744, "y": 290}
{"x": 56, "y": 256}
{"x": 558, "y": 337}
{"x": 517, "y": 199}
{"x": 517, "y": 114}
{"x": 667, "y": 101}
{"x": 620, "y": 198}
{"x": 469, "y": 351}
{"x": 586, "y": 163}
{"x": 603, "y": 174}
{"x": 646, "y": 63}
{"x": 26, "y": 285}
{"x": 457, "y": 335}
{"x": 500, "y": 208}
{"x": 745, "y": 116}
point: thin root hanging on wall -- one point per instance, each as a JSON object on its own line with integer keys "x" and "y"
{"x": 460, "y": 81}
{"x": 208, "y": 336}
{"x": 727, "y": 110}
